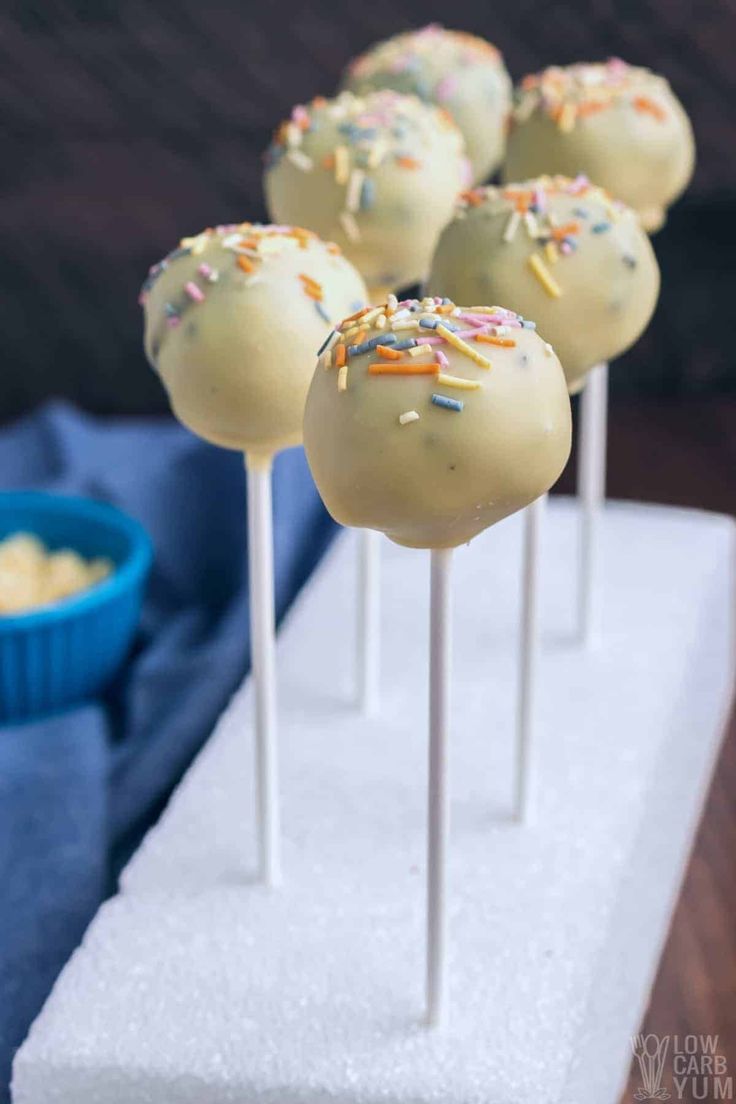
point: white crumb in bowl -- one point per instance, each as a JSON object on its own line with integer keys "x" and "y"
{"x": 32, "y": 576}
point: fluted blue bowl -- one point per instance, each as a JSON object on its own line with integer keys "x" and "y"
{"x": 58, "y": 655}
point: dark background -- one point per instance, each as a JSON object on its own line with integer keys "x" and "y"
{"x": 125, "y": 126}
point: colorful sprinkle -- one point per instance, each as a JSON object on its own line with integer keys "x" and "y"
{"x": 408, "y": 417}
{"x": 447, "y": 404}
{"x": 544, "y": 276}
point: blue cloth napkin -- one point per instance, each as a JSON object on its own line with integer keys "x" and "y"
{"x": 78, "y": 791}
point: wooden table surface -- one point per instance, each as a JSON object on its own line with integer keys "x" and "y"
{"x": 683, "y": 452}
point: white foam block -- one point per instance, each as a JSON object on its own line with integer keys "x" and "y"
{"x": 195, "y": 985}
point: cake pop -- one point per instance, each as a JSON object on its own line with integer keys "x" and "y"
{"x": 452, "y": 69}
{"x": 378, "y": 173}
{"x": 563, "y": 252}
{"x": 620, "y": 124}
{"x": 431, "y": 422}
{"x": 232, "y": 319}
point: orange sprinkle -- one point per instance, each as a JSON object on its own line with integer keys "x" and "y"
{"x": 591, "y": 107}
{"x": 643, "y": 103}
{"x": 356, "y": 316}
{"x": 360, "y": 336}
{"x": 328, "y": 161}
{"x": 408, "y": 162}
{"x": 313, "y": 293}
{"x": 473, "y": 198}
{"x": 388, "y": 353}
{"x": 245, "y": 263}
{"x": 406, "y": 368}
{"x": 310, "y": 281}
{"x": 340, "y": 356}
{"x": 319, "y": 101}
{"x": 560, "y": 232}
{"x": 503, "y": 342}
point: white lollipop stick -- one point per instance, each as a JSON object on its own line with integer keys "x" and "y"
{"x": 528, "y": 661}
{"x": 263, "y": 659}
{"x": 591, "y": 492}
{"x": 368, "y": 643}
{"x": 440, "y": 657}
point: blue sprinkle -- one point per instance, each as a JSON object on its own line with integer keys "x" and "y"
{"x": 526, "y": 325}
{"x": 407, "y": 343}
{"x": 389, "y": 339}
{"x": 580, "y": 212}
{"x": 170, "y": 310}
{"x": 322, "y": 313}
{"x": 601, "y": 227}
{"x": 447, "y": 404}
{"x": 356, "y": 305}
{"x": 446, "y": 302}
{"x": 367, "y": 194}
{"x": 326, "y": 341}
{"x": 366, "y": 346}
{"x": 182, "y": 251}
{"x": 429, "y": 323}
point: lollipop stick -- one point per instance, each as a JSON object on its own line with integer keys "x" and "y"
{"x": 440, "y": 654}
{"x": 528, "y": 660}
{"x": 591, "y": 492}
{"x": 263, "y": 653}
{"x": 369, "y": 621}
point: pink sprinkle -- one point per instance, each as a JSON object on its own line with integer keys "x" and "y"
{"x": 474, "y": 319}
{"x": 445, "y": 88}
{"x": 173, "y": 322}
{"x": 300, "y": 114}
{"x": 204, "y": 270}
{"x": 442, "y": 359}
{"x": 565, "y": 248}
{"x": 194, "y": 292}
{"x": 431, "y": 340}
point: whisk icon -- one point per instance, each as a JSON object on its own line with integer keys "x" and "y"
{"x": 651, "y": 1052}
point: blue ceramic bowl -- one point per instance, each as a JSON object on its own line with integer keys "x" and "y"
{"x": 58, "y": 655}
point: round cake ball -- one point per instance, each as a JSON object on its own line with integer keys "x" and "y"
{"x": 233, "y": 318}
{"x": 457, "y": 71}
{"x": 378, "y": 174}
{"x": 431, "y": 422}
{"x": 621, "y": 125}
{"x": 562, "y": 251}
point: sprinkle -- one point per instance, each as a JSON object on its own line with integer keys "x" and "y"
{"x": 548, "y": 349}
{"x": 170, "y": 310}
{"x": 327, "y": 341}
{"x": 643, "y": 103}
{"x": 511, "y": 226}
{"x": 408, "y": 417}
{"x": 442, "y": 361}
{"x": 408, "y": 324}
{"x": 195, "y": 293}
{"x": 350, "y": 226}
{"x": 527, "y": 324}
{"x": 173, "y": 321}
{"x": 463, "y": 346}
{"x": 407, "y": 162}
{"x": 418, "y": 350}
{"x": 368, "y": 194}
{"x": 407, "y": 343}
{"x": 567, "y": 117}
{"x": 368, "y": 346}
{"x": 300, "y": 159}
{"x": 405, "y": 368}
{"x": 321, "y": 311}
{"x": 457, "y": 382}
{"x": 551, "y": 252}
{"x": 355, "y": 188}
{"x": 342, "y": 378}
{"x": 210, "y": 274}
{"x": 601, "y": 227}
{"x": 244, "y": 263}
{"x": 340, "y": 356}
{"x": 392, "y": 302}
{"x": 380, "y": 322}
{"x": 327, "y": 359}
{"x": 388, "y": 353}
{"x": 503, "y": 342}
{"x": 532, "y": 226}
{"x": 342, "y": 165}
{"x": 544, "y": 276}
{"x": 429, "y": 323}
{"x": 447, "y": 404}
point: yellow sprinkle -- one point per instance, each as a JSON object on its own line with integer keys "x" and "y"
{"x": 457, "y": 382}
{"x": 300, "y": 160}
{"x": 342, "y": 165}
{"x": 327, "y": 359}
{"x": 342, "y": 378}
{"x": 419, "y": 350}
{"x": 409, "y": 416}
{"x": 350, "y": 226}
{"x": 552, "y": 252}
{"x": 380, "y": 322}
{"x": 405, "y": 324}
{"x": 567, "y": 118}
{"x": 544, "y": 276}
{"x": 376, "y": 155}
{"x": 463, "y": 346}
{"x": 511, "y": 228}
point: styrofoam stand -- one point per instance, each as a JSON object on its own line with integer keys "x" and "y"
{"x": 197, "y": 986}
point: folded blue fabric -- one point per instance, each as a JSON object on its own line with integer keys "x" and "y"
{"x": 78, "y": 791}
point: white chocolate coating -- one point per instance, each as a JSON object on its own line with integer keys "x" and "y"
{"x": 453, "y": 69}
{"x": 232, "y": 321}
{"x": 378, "y": 174}
{"x": 563, "y": 252}
{"x": 620, "y": 125}
{"x": 432, "y": 459}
